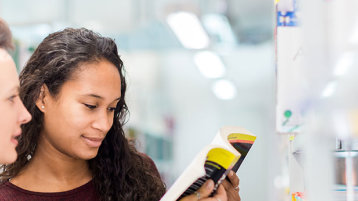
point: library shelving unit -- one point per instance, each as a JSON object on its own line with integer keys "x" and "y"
{"x": 317, "y": 99}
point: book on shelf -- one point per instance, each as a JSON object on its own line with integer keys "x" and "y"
{"x": 226, "y": 152}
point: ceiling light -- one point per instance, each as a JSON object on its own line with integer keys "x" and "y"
{"x": 330, "y": 89}
{"x": 209, "y": 64}
{"x": 218, "y": 25}
{"x": 224, "y": 89}
{"x": 343, "y": 64}
{"x": 189, "y": 30}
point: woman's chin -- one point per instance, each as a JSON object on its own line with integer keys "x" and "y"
{"x": 89, "y": 155}
{"x": 8, "y": 158}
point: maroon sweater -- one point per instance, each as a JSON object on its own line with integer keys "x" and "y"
{"x": 10, "y": 192}
{"x": 86, "y": 192}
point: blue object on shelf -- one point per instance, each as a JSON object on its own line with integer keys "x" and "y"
{"x": 287, "y": 18}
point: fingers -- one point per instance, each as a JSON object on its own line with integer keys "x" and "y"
{"x": 231, "y": 192}
{"x": 234, "y": 179}
{"x": 231, "y": 187}
{"x": 206, "y": 189}
{"x": 203, "y": 192}
{"x": 220, "y": 194}
{"x": 227, "y": 185}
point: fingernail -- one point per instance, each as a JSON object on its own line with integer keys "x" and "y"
{"x": 209, "y": 184}
{"x": 231, "y": 173}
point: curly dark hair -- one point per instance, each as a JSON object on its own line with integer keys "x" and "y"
{"x": 119, "y": 171}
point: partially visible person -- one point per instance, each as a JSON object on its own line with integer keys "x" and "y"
{"x": 12, "y": 111}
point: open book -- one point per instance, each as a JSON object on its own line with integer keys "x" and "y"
{"x": 227, "y": 151}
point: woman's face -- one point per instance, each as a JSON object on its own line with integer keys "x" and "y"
{"x": 12, "y": 111}
{"x": 77, "y": 119}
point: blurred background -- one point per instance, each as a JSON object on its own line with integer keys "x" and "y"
{"x": 193, "y": 66}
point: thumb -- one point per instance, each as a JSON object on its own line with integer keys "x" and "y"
{"x": 206, "y": 189}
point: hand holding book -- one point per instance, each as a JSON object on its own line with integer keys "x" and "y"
{"x": 203, "y": 193}
{"x": 214, "y": 162}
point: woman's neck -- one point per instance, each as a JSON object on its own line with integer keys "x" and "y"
{"x": 50, "y": 170}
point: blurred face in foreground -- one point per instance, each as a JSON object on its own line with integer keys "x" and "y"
{"x": 12, "y": 111}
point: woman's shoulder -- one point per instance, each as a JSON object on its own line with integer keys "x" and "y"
{"x": 6, "y": 191}
{"x": 149, "y": 162}
{"x": 9, "y": 191}
{"x": 146, "y": 159}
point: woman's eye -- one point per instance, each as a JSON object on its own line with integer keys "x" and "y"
{"x": 90, "y": 106}
{"x": 12, "y": 98}
{"x": 111, "y": 109}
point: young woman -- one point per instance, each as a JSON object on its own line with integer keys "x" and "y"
{"x": 12, "y": 111}
{"x": 75, "y": 148}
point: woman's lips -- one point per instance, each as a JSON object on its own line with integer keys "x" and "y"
{"x": 14, "y": 141}
{"x": 92, "y": 141}
{"x": 14, "y": 138}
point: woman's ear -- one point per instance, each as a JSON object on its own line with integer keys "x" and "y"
{"x": 42, "y": 99}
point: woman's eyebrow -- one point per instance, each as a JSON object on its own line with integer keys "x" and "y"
{"x": 15, "y": 88}
{"x": 94, "y": 96}
{"x": 100, "y": 97}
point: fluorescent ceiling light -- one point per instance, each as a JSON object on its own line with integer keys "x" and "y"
{"x": 209, "y": 64}
{"x": 218, "y": 25}
{"x": 329, "y": 90}
{"x": 189, "y": 30}
{"x": 224, "y": 89}
{"x": 344, "y": 63}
